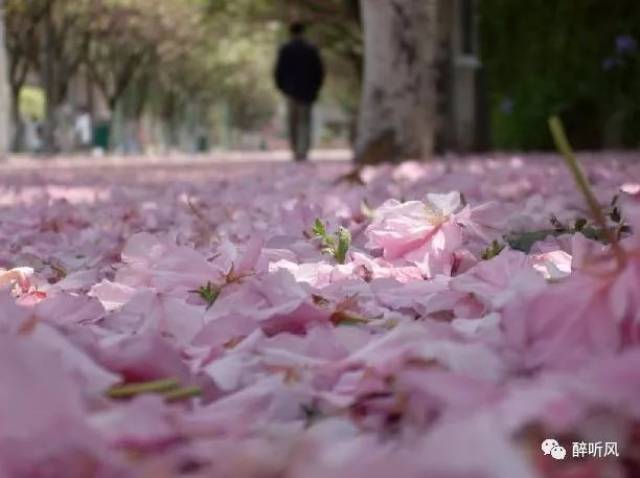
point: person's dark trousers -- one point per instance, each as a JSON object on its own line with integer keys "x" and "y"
{"x": 299, "y": 128}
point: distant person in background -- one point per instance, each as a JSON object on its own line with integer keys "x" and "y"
{"x": 299, "y": 75}
{"x": 33, "y": 135}
{"x": 84, "y": 129}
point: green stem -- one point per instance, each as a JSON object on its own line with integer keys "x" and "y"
{"x": 133, "y": 389}
{"x": 183, "y": 394}
{"x": 562, "y": 143}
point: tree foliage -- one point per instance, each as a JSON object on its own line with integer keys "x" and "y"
{"x": 165, "y": 54}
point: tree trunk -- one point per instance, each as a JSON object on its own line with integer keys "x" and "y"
{"x": 4, "y": 91}
{"x": 50, "y": 87}
{"x": 397, "y": 114}
{"x": 17, "y": 125}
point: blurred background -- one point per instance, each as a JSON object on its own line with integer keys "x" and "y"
{"x": 153, "y": 76}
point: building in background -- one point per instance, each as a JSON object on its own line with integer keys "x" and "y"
{"x": 462, "y": 96}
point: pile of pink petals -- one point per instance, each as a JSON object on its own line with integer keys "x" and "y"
{"x": 190, "y": 323}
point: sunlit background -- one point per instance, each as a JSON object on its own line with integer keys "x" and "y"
{"x": 196, "y": 75}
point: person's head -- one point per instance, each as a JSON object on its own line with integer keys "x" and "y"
{"x": 297, "y": 29}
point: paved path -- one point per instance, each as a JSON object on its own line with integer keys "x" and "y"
{"x": 39, "y": 163}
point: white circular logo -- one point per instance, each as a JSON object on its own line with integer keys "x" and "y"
{"x": 551, "y": 447}
{"x": 548, "y": 445}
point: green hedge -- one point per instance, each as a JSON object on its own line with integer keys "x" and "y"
{"x": 575, "y": 58}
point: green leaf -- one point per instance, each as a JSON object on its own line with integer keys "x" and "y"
{"x": 492, "y": 251}
{"x": 319, "y": 229}
{"x": 524, "y": 241}
{"x": 337, "y": 246}
{"x": 344, "y": 242}
{"x": 209, "y": 293}
{"x": 580, "y": 223}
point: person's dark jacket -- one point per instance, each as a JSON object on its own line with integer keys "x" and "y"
{"x": 299, "y": 71}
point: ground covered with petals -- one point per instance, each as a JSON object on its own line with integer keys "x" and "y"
{"x": 294, "y": 321}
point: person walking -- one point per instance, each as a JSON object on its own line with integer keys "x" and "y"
{"x": 299, "y": 75}
{"x": 83, "y": 130}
